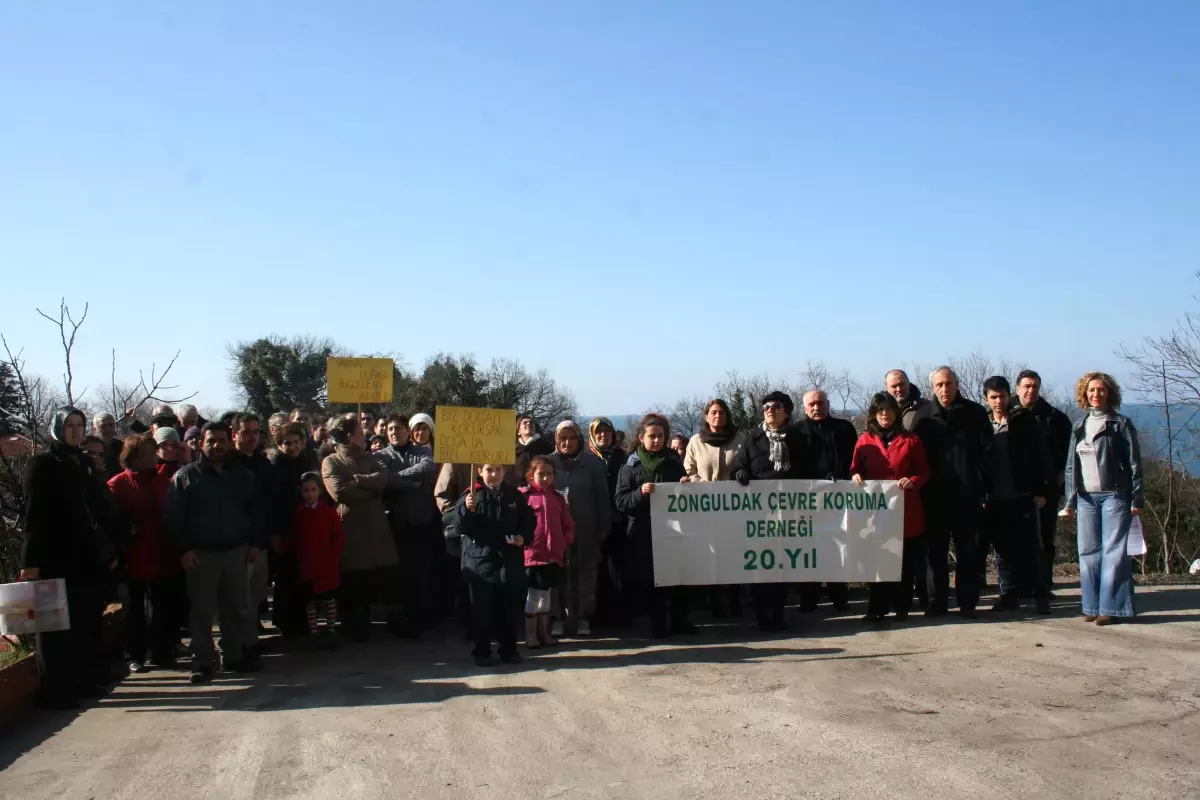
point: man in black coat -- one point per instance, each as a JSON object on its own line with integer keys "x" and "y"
{"x": 1055, "y": 428}
{"x": 796, "y": 459}
{"x": 1018, "y": 487}
{"x": 958, "y": 442}
{"x": 833, "y": 441}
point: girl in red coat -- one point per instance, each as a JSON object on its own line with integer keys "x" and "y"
{"x": 546, "y": 551}
{"x": 151, "y": 564}
{"x": 887, "y": 452}
{"x": 318, "y": 534}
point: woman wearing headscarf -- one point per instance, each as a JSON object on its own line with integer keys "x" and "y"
{"x": 774, "y": 450}
{"x": 709, "y": 457}
{"x": 66, "y": 535}
{"x": 580, "y": 478}
{"x": 602, "y": 443}
{"x": 529, "y": 444}
{"x": 1104, "y": 492}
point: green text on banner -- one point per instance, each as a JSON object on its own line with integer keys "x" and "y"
{"x": 776, "y": 532}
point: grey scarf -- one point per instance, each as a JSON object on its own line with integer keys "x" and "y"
{"x": 779, "y": 451}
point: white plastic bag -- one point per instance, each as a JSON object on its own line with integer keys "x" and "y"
{"x": 1136, "y": 545}
{"x": 34, "y": 607}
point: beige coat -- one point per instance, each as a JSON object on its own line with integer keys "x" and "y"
{"x": 706, "y": 462}
{"x": 369, "y": 542}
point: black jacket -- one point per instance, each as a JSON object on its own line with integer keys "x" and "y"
{"x": 958, "y": 442}
{"x": 284, "y": 490}
{"x": 1118, "y": 456}
{"x": 68, "y": 517}
{"x": 1028, "y": 457}
{"x": 639, "y": 548}
{"x": 833, "y": 440}
{"x": 209, "y": 510}
{"x": 612, "y": 470}
{"x": 1055, "y": 427}
{"x": 487, "y": 532}
{"x": 515, "y": 475}
{"x": 755, "y": 456}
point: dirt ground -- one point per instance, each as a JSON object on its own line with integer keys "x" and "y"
{"x": 1017, "y": 707}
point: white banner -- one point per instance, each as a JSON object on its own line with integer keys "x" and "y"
{"x": 776, "y": 532}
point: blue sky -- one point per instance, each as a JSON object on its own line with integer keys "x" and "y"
{"x": 636, "y": 196}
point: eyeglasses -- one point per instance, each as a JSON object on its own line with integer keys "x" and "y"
{"x": 773, "y": 407}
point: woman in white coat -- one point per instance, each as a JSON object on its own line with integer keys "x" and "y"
{"x": 708, "y": 458}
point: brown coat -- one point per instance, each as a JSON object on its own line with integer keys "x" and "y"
{"x": 369, "y": 542}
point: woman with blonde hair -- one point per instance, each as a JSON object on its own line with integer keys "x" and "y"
{"x": 1104, "y": 491}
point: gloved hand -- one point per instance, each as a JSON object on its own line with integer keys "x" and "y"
{"x": 742, "y": 477}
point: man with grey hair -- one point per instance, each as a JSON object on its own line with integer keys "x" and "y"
{"x": 913, "y": 407}
{"x": 958, "y": 443}
{"x": 104, "y": 425}
{"x": 189, "y": 416}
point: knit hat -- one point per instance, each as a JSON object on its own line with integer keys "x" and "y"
{"x": 417, "y": 419}
{"x": 192, "y": 433}
{"x": 166, "y": 435}
{"x": 783, "y": 399}
{"x": 567, "y": 423}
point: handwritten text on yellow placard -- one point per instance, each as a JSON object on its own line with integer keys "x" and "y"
{"x": 359, "y": 380}
{"x": 475, "y": 435}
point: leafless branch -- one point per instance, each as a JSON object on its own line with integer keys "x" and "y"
{"x": 64, "y": 321}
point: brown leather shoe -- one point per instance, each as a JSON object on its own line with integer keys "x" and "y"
{"x": 1104, "y": 619}
{"x": 1089, "y": 617}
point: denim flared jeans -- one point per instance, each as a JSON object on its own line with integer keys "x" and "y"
{"x": 1105, "y": 568}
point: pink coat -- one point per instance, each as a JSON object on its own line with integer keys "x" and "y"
{"x": 555, "y": 528}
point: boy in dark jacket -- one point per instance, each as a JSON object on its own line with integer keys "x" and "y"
{"x": 495, "y": 522}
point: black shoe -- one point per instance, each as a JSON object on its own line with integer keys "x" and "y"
{"x": 936, "y": 611}
{"x": 244, "y": 666}
{"x": 660, "y": 630}
{"x": 138, "y": 667}
{"x": 1007, "y": 602}
{"x": 1043, "y": 605}
{"x": 165, "y": 662}
{"x": 511, "y": 658}
{"x": 484, "y": 661}
{"x": 684, "y": 627}
{"x": 901, "y": 615}
{"x": 967, "y": 612}
{"x": 808, "y": 607}
{"x": 843, "y": 606}
{"x": 252, "y": 652}
{"x": 202, "y": 675}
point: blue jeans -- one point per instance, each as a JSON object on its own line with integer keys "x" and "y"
{"x": 1105, "y": 568}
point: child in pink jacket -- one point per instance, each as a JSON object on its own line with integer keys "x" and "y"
{"x": 544, "y": 554}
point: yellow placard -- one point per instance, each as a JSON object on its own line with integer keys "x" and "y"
{"x": 475, "y": 435}
{"x": 359, "y": 380}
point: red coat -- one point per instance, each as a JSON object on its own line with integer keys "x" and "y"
{"x": 141, "y": 498}
{"x": 319, "y": 540}
{"x": 904, "y": 458}
{"x": 555, "y": 528}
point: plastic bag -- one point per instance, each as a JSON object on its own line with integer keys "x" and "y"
{"x": 34, "y": 607}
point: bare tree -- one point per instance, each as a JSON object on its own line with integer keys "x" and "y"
{"x": 123, "y": 398}
{"x": 687, "y": 415}
{"x": 65, "y": 321}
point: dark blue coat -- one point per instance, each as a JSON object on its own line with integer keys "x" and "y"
{"x": 639, "y": 550}
{"x": 487, "y": 552}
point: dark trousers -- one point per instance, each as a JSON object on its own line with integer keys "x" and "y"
{"x": 361, "y": 588}
{"x": 152, "y": 619}
{"x": 71, "y": 662}
{"x": 289, "y": 610}
{"x": 669, "y": 606}
{"x": 1012, "y": 527}
{"x": 612, "y": 606}
{"x": 422, "y": 551}
{"x": 725, "y": 599}
{"x": 1047, "y": 527}
{"x": 962, "y": 527}
{"x": 810, "y": 595}
{"x": 769, "y": 602}
{"x": 494, "y": 616}
{"x": 898, "y": 595}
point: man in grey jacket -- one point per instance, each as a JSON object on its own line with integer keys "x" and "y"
{"x": 415, "y": 522}
{"x": 214, "y": 515}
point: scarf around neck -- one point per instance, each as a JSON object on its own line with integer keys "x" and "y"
{"x": 653, "y": 462}
{"x": 717, "y": 438}
{"x": 779, "y": 452}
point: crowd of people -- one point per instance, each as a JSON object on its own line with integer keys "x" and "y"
{"x": 191, "y": 520}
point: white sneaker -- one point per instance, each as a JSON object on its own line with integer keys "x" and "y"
{"x": 556, "y": 628}
{"x": 583, "y": 628}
